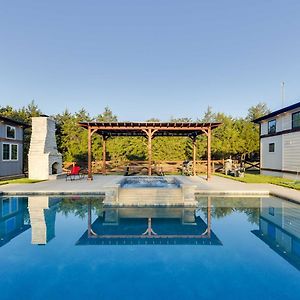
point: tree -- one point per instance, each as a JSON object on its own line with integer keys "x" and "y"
{"x": 107, "y": 116}
{"x": 257, "y": 111}
{"x": 153, "y": 120}
{"x": 209, "y": 116}
{"x": 181, "y": 120}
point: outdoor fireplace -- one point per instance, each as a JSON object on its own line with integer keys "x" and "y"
{"x": 44, "y": 161}
{"x": 55, "y": 168}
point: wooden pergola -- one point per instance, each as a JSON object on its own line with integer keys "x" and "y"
{"x": 149, "y": 130}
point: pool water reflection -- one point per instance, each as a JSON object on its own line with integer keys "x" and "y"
{"x": 226, "y": 247}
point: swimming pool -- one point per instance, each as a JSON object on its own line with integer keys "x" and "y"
{"x": 73, "y": 247}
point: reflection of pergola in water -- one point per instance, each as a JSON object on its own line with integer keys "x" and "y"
{"x": 163, "y": 225}
{"x": 150, "y": 131}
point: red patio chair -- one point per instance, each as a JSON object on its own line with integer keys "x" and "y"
{"x": 75, "y": 173}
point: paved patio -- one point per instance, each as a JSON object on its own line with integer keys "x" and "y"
{"x": 217, "y": 185}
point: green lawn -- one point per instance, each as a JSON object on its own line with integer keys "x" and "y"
{"x": 20, "y": 180}
{"x": 257, "y": 178}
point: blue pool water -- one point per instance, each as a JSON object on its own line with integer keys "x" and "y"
{"x": 149, "y": 182}
{"x": 73, "y": 247}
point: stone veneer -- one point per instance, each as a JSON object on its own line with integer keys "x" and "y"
{"x": 43, "y": 154}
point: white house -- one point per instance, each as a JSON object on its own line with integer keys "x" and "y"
{"x": 280, "y": 142}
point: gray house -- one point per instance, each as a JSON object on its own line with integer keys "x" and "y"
{"x": 11, "y": 147}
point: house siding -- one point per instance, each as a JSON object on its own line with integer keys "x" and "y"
{"x": 291, "y": 155}
{"x": 285, "y": 161}
{"x": 10, "y": 168}
{"x": 264, "y": 128}
{"x": 271, "y": 160}
{"x": 292, "y": 219}
{"x": 277, "y": 206}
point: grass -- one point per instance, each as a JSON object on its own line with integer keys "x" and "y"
{"x": 20, "y": 180}
{"x": 257, "y": 178}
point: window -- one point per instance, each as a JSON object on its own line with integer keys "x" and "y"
{"x": 10, "y": 132}
{"x": 272, "y": 147}
{"x": 272, "y": 126}
{"x": 14, "y": 152}
{"x": 5, "y": 152}
{"x": 9, "y": 206}
{"x": 271, "y": 211}
{"x": 296, "y": 120}
{"x": 5, "y": 207}
{"x": 10, "y": 225}
{"x": 10, "y": 152}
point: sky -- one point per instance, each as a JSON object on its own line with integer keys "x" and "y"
{"x": 149, "y": 58}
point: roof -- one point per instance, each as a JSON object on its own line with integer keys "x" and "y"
{"x": 277, "y": 112}
{"x": 139, "y": 128}
{"x": 14, "y": 122}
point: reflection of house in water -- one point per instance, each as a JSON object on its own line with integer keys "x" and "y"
{"x": 13, "y": 218}
{"x": 149, "y": 225}
{"x": 279, "y": 227}
{"x": 42, "y": 211}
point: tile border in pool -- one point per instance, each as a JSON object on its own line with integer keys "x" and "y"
{"x": 11, "y": 193}
{"x": 136, "y": 182}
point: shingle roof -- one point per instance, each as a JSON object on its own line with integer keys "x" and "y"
{"x": 277, "y": 112}
{"x": 12, "y": 121}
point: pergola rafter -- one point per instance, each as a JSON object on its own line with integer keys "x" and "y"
{"x": 149, "y": 130}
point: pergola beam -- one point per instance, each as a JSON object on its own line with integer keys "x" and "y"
{"x": 199, "y": 129}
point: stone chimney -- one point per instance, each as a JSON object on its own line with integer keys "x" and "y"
{"x": 44, "y": 161}
{"x": 42, "y": 219}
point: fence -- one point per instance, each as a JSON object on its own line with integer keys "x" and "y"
{"x": 168, "y": 167}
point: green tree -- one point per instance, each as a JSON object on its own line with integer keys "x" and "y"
{"x": 107, "y": 116}
{"x": 257, "y": 111}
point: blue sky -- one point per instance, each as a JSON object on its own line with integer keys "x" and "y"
{"x": 149, "y": 58}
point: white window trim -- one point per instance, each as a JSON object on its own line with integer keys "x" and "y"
{"x": 14, "y": 130}
{"x": 10, "y": 152}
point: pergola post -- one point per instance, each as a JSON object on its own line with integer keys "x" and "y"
{"x": 208, "y": 215}
{"x": 208, "y": 153}
{"x": 194, "y": 138}
{"x": 90, "y": 134}
{"x": 89, "y": 219}
{"x": 104, "y": 139}
{"x": 149, "y": 134}
{"x": 90, "y": 176}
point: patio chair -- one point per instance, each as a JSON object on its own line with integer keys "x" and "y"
{"x": 187, "y": 168}
{"x": 75, "y": 173}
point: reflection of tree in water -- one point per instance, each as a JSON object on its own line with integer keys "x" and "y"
{"x": 78, "y": 206}
{"x": 26, "y": 217}
{"x": 224, "y": 206}
{"x": 220, "y": 206}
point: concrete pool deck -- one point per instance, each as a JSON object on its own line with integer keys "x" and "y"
{"x": 100, "y": 184}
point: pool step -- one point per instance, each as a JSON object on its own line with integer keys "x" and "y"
{"x": 150, "y": 196}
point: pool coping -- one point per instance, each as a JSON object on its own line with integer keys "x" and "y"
{"x": 211, "y": 193}
{"x": 218, "y": 187}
